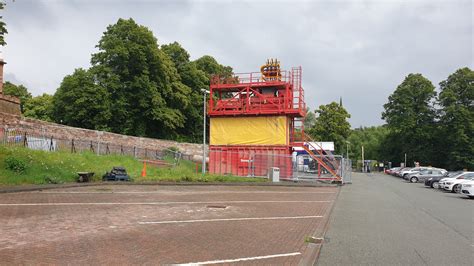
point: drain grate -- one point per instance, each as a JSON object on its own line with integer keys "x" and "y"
{"x": 316, "y": 240}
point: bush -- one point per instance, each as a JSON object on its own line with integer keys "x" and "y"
{"x": 187, "y": 178}
{"x": 15, "y": 164}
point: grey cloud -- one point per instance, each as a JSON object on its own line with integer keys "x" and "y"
{"x": 360, "y": 50}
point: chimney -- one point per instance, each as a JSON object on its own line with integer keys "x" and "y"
{"x": 1, "y": 73}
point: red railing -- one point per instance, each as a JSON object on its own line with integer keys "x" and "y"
{"x": 248, "y": 96}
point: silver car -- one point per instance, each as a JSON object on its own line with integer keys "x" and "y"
{"x": 425, "y": 174}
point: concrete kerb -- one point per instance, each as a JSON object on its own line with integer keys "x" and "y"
{"x": 26, "y": 188}
{"x": 311, "y": 253}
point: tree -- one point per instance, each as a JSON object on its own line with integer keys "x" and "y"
{"x": 309, "y": 119}
{"x": 331, "y": 125}
{"x": 40, "y": 107}
{"x": 81, "y": 102}
{"x": 369, "y": 137}
{"x": 210, "y": 66}
{"x": 195, "y": 80}
{"x": 3, "y": 26}
{"x": 145, "y": 89}
{"x": 456, "y": 100}
{"x": 410, "y": 116}
{"x": 19, "y": 91}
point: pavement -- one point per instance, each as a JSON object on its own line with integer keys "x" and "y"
{"x": 154, "y": 224}
{"x": 383, "y": 220}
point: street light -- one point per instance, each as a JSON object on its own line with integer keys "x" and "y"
{"x": 204, "y": 91}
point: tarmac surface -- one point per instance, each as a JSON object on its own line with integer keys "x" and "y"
{"x": 383, "y": 220}
{"x": 132, "y": 224}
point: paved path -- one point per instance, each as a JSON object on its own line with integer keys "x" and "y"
{"x": 382, "y": 220}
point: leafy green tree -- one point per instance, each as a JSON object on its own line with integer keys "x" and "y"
{"x": 19, "y": 91}
{"x": 195, "y": 80}
{"x": 410, "y": 116}
{"x": 3, "y": 26}
{"x": 309, "y": 119}
{"x": 331, "y": 125}
{"x": 369, "y": 137}
{"x": 81, "y": 102}
{"x": 210, "y": 66}
{"x": 457, "y": 120}
{"x": 40, "y": 107}
{"x": 145, "y": 89}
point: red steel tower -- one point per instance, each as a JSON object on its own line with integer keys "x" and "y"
{"x": 255, "y": 120}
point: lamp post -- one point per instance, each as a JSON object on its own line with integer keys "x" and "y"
{"x": 204, "y": 132}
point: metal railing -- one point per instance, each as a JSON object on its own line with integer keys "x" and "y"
{"x": 12, "y": 137}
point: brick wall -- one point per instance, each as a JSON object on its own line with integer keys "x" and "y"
{"x": 39, "y": 128}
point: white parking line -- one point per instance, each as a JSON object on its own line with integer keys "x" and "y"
{"x": 243, "y": 259}
{"x": 158, "y": 203}
{"x": 184, "y": 192}
{"x": 233, "y": 219}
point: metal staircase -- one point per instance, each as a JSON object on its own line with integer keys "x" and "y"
{"x": 326, "y": 159}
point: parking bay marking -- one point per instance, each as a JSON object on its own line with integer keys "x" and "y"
{"x": 186, "y": 192}
{"x": 234, "y": 219}
{"x": 243, "y": 259}
{"x": 158, "y": 203}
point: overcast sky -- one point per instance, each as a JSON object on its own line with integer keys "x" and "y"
{"x": 357, "y": 50}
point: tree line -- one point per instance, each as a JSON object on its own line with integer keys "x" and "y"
{"x": 134, "y": 86}
{"x": 429, "y": 127}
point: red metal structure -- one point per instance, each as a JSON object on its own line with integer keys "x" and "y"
{"x": 272, "y": 92}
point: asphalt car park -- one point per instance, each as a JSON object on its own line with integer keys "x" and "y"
{"x": 384, "y": 220}
{"x": 131, "y": 224}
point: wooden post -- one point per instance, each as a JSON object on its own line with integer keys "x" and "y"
{"x": 25, "y": 142}
{"x": 73, "y": 147}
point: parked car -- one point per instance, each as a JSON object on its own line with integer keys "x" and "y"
{"x": 454, "y": 185}
{"x": 391, "y": 171}
{"x": 462, "y": 176}
{"x": 406, "y": 171}
{"x": 467, "y": 188}
{"x": 433, "y": 182}
{"x": 399, "y": 171}
{"x": 426, "y": 174}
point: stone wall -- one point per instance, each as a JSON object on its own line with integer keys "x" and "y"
{"x": 42, "y": 128}
{"x": 9, "y": 105}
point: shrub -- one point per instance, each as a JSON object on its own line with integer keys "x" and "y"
{"x": 187, "y": 178}
{"x": 15, "y": 164}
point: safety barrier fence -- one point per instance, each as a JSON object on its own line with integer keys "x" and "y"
{"x": 260, "y": 163}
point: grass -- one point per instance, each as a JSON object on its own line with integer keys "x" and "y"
{"x": 44, "y": 167}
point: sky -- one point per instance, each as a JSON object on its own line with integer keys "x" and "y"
{"x": 358, "y": 50}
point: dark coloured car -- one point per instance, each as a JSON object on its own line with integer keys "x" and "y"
{"x": 433, "y": 182}
{"x": 117, "y": 174}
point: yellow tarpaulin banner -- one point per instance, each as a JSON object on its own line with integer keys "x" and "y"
{"x": 262, "y": 130}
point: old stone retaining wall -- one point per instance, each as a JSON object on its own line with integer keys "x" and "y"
{"x": 53, "y": 130}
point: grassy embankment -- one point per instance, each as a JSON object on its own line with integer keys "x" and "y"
{"x": 41, "y": 167}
